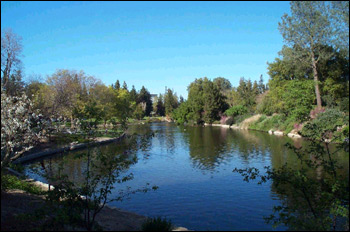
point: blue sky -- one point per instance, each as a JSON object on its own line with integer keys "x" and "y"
{"x": 155, "y": 44}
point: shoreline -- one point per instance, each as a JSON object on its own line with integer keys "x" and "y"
{"x": 271, "y": 132}
{"x": 110, "y": 218}
{"x": 71, "y": 147}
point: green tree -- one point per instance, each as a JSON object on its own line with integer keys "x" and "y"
{"x": 160, "y": 108}
{"x": 181, "y": 100}
{"x": 144, "y": 98}
{"x": 133, "y": 94}
{"x": 170, "y": 102}
{"x": 261, "y": 86}
{"x": 125, "y": 86}
{"x": 195, "y": 101}
{"x": 123, "y": 109}
{"x": 116, "y": 86}
{"x": 307, "y": 28}
{"x": 246, "y": 93}
{"x": 214, "y": 103}
{"x": 308, "y": 202}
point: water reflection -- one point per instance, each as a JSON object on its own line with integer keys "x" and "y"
{"x": 209, "y": 147}
{"x": 74, "y": 164}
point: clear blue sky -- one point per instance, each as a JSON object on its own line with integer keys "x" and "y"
{"x": 155, "y": 44}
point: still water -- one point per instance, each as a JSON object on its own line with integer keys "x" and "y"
{"x": 192, "y": 166}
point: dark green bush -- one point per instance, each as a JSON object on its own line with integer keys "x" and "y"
{"x": 157, "y": 224}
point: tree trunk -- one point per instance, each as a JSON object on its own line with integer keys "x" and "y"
{"x": 71, "y": 122}
{"x": 317, "y": 89}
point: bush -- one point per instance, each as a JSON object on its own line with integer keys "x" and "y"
{"x": 236, "y": 110}
{"x": 298, "y": 98}
{"x": 326, "y": 125}
{"x": 316, "y": 111}
{"x": 344, "y": 104}
{"x": 267, "y": 123}
{"x": 157, "y": 224}
{"x": 13, "y": 182}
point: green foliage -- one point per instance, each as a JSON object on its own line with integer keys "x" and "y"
{"x": 344, "y": 104}
{"x": 180, "y": 114}
{"x": 265, "y": 123}
{"x": 298, "y": 99}
{"x": 70, "y": 199}
{"x": 327, "y": 125}
{"x": 157, "y": 224}
{"x": 122, "y": 107}
{"x": 160, "y": 108}
{"x": 293, "y": 98}
{"x": 13, "y": 182}
{"x": 138, "y": 113}
{"x": 205, "y": 103}
{"x": 308, "y": 202}
{"x": 246, "y": 94}
{"x": 170, "y": 102}
{"x": 213, "y": 103}
{"x": 236, "y": 110}
{"x": 145, "y": 97}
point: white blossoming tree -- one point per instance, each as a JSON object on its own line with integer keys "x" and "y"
{"x": 21, "y": 127}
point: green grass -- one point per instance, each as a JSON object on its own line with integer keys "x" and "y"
{"x": 12, "y": 182}
{"x": 276, "y": 122}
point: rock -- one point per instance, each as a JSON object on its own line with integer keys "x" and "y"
{"x": 294, "y": 134}
{"x": 271, "y": 132}
{"x": 278, "y": 133}
{"x": 180, "y": 229}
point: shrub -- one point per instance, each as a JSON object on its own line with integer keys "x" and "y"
{"x": 274, "y": 122}
{"x": 326, "y": 125}
{"x": 13, "y": 182}
{"x": 298, "y": 98}
{"x": 236, "y": 110}
{"x": 157, "y": 224}
{"x": 316, "y": 111}
{"x": 344, "y": 104}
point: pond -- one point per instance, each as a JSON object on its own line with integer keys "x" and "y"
{"x": 192, "y": 166}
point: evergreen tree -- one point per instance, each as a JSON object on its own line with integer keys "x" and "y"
{"x": 144, "y": 98}
{"x": 133, "y": 94}
{"x": 117, "y": 85}
{"x": 181, "y": 100}
{"x": 160, "y": 109}
{"x": 261, "y": 85}
{"x": 170, "y": 102}
{"x": 125, "y": 86}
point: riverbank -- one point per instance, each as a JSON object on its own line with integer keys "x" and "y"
{"x": 244, "y": 125}
{"x": 71, "y": 147}
{"x": 16, "y": 202}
